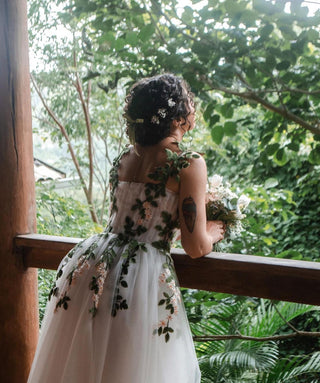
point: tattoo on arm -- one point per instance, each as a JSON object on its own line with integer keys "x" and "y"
{"x": 189, "y": 211}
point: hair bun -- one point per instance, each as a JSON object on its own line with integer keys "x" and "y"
{"x": 152, "y": 104}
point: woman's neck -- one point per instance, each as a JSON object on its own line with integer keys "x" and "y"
{"x": 176, "y": 135}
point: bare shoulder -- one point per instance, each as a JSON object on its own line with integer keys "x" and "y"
{"x": 197, "y": 166}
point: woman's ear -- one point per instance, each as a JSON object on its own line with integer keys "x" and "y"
{"x": 176, "y": 123}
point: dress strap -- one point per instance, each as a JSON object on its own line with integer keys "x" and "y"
{"x": 176, "y": 161}
{"x": 114, "y": 176}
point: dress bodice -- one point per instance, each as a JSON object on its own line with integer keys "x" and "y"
{"x": 147, "y": 212}
{"x": 143, "y": 210}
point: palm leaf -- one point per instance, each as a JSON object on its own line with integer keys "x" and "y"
{"x": 254, "y": 357}
{"x": 267, "y": 320}
{"x": 288, "y": 371}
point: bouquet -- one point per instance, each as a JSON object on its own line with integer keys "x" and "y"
{"x": 224, "y": 205}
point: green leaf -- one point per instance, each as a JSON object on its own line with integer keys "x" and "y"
{"x": 118, "y": 44}
{"x": 288, "y": 32}
{"x": 313, "y": 35}
{"x": 230, "y": 128}
{"x": 281, "y": 157}
{"x": 214, "y": 119}
{"x": 200, "y": 49}
{"x": 292, "y": 254}
{"x": 272, "y": 148}
{"x": 314, "y": 156}
{"x": 146, "y": 32}
{"x": 265, "y": 31}
{"x": 131, "y": 38}
{"x": 227, "y": 110}
{"x": 294, "y": 146}
{"x": 187, "y": 15}
{"x": 271, "y": 183}
{"x": 283, "y": 65}
{"x": 267, "y": 138}
{"x": 217, "y": 134}
{"x": 271, "y": 62}
{"x": 209, "y": 110}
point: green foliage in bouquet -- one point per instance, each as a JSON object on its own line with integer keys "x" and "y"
{"x": 224, "y": 205}
{"x": 224, "y": 210}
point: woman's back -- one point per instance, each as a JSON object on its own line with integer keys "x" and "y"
{"x": 138, "y": 163}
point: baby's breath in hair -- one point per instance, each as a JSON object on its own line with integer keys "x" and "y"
{"x": 155, "y": 120}
{"x": 171, "y": 103}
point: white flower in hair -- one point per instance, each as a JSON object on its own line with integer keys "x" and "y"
{"x": 162, "y": 113}
{"x": 171, "y": 103}
{"x": 155, "y": 120}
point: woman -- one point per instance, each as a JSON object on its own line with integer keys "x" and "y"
{"x": 115, "y": 314}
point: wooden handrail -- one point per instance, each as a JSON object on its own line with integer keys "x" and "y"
{"x": 264, "y": 277}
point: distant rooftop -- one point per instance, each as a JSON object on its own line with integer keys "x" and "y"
{"x": 45, "y": 172}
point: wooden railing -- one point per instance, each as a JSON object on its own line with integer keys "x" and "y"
{"x": 264, "y": 277}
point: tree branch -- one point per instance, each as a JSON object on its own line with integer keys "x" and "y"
{"x": 155, "y": 24}
{"x": 70, "y": 147}
{"x": 303, "y": 91}
{"x": 252, "y": 96}
{"x": 63, "y": 131}
{"x": 209, "y": 338}
{"x": 88, "y": 93}
{"x": 284, "y": 113}
{"x": 85, "y": 109}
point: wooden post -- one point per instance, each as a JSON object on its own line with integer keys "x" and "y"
{"x": 18, "y": 286}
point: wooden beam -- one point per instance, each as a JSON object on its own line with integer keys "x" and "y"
{"x": 18, "y": 286}
{"x": 249, "y": 275}
{"x": 264, "y": 277}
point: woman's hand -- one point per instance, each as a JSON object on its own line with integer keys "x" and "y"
{"x": 216, "y": 229}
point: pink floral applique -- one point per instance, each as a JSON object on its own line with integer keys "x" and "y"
{"x": 147, "y": 209}
{"x": 162, "y": 278}
{"x": 82, "y": 265}
{"x": 100, "y": 280}
{"x": 170, "y": 301}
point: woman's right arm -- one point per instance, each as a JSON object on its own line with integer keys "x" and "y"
{"x": 197, "y": 235}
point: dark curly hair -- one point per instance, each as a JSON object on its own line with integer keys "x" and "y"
{"x": 152, "y": 104}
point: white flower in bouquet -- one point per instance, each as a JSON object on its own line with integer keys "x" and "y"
{"x": 216, "y": 181}
{"x": 225, "y": 205}
{"x": 243, "y": 202}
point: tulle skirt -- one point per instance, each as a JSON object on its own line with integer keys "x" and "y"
{"x": 119, "y": 322}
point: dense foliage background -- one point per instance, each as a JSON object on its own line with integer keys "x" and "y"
{"x": 253, "y": 65}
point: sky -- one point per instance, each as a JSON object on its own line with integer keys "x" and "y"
{"x": 313, "y": 6}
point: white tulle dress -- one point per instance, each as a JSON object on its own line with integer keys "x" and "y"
{"x": 115, "y": 314}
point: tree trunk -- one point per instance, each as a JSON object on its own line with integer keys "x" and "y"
{"x": 18, "y": 286}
